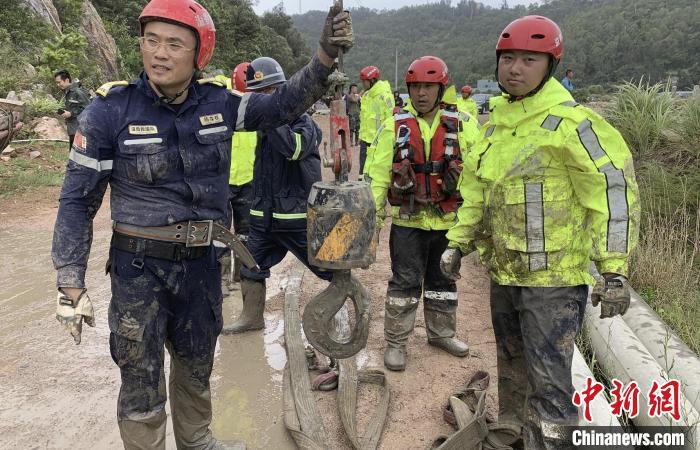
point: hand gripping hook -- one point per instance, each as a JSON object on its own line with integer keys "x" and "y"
{"x": 317, "y": 319}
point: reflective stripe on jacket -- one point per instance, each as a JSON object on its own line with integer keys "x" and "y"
{"x": 379, "y": 170}
{"x": 549, "y": 187}
{"x": 377, "y": 104}
{"x": 287, "y": 164}
{"x": 425, "y": 171}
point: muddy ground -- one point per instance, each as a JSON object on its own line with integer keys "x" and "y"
{"x": 54, "y": 394}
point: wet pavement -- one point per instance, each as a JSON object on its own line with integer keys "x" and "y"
{"x": 247, "y": 379}
{"x": 55, "y": 394}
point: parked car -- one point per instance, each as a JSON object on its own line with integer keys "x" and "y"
{"x": 482, "y": 102}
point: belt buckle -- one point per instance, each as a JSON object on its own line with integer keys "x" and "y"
{"x": 199, "y": 233}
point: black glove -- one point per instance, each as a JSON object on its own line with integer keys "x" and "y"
{"x": 613, "y": 294}
{"x": 337, "y": 32}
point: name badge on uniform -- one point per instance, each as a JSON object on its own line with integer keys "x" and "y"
{"x": 143, "y": 129}
{"x": 211, "y": 119}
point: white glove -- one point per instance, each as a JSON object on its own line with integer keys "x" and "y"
{"x": 450, "y": 263}
{"x": 71, "y": 313}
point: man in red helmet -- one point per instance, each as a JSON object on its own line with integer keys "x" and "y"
{"x": 417, "y": 161}
{"x": 549, "y": 187}
{"x": 376, "y": 106}
{"x": 466, "y": 104}
{"x": 162, "y": 142}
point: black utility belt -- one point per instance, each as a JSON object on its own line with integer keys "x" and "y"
{"x": 429, "y": 167}
{"x": 171, "y": 251}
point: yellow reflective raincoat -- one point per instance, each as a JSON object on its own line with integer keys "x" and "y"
{"x": 549, "y": 186}
{"x": 242, "y": 150}
{"x": 377, "y": 105}
{"x": 242, "y": 157}
{"x": 468, "y": 106}
{"x": 379, "y": 167}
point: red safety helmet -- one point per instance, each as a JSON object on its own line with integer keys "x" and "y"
{"x": 238, "y": 77}
{"x": 370, "y": 73}
{"x": 187, "y": 13}
{"x": 532, "y": 33}
{"x": 427, "y": 69}
{"x": 466, "y": 89}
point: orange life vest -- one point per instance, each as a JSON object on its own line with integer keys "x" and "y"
{"x": 417, "y": 182}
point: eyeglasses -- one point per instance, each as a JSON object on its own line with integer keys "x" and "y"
{"x": 172, "y": 48}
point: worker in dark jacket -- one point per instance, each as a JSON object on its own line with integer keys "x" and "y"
{"x": 76, "y": 100}
{"x": 287, "y": 164}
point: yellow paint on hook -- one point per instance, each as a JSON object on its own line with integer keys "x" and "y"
{"x": 338, "y": 241}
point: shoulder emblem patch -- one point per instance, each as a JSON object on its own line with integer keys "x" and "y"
{"x": 104, "y": 89}
{"x": 79, "y": 142}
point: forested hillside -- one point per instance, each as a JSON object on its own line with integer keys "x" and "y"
{"x": 606, "y": 41}
{"x": 37, "y": 38}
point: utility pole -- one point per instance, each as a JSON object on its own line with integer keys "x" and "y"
{"x": 299, "y": 6}
{"x": 396, "y": 68}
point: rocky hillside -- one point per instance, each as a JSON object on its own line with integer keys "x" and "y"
{"x": 96, "y": 40}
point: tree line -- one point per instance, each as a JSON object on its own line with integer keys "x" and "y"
{"x": 606, "y": 41}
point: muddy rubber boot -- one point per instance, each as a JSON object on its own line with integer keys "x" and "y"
{"x": 399, "y": 318}
{"x": 147, "y": 431}
{"x": 237, "y": 270}
{"x": 440, "y": 327}
{"x": 251, "y": 318}
{"x": 190, "y": 404}
{"x": 225, "y": 265}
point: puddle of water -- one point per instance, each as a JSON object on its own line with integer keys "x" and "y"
{"x": 247, "y": 380}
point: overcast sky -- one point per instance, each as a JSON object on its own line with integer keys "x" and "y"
{"x": 292, "y": 6}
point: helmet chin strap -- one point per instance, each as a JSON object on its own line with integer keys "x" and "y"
{"x": 162, "y": 98}
{"x": 169, "y": 100}
{"x": 550, "y": 72}
{"x": 438, "y": 100}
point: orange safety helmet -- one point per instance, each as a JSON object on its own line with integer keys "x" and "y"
{"x": 427, "y": 69}
{"x": 370, "y": 73}
{"x": 187, "y": 13}
{"x": 532, "y": 33}
{"x": 466, "y": 89}
{"x": 238, "y": 77}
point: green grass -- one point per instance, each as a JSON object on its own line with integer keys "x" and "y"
{"x": 22, "y": 174}
{"x": 665, "y": 267}
{"x": 663, "y": 134}
{"x": 642, "y": 112}
{"x": 689, "y": 124}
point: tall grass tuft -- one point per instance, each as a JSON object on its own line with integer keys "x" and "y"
{"x": 689, "y": 124}
{"x": 641, "y": 112}
{"x": 665, "y": 267}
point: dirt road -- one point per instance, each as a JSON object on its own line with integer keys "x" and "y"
{"x": 55, "y": 394}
